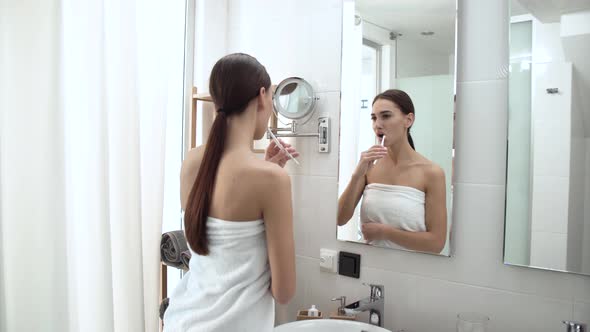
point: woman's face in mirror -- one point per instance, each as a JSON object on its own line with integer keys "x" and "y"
{"x": 389, "y": 120}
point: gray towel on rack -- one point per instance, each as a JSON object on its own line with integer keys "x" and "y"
{"x": 185, "y": 257}
{"x": 163, "y": 307}
{"x": 172, "y": 245}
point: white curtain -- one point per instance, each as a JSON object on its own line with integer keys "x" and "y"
{"x": 83, "y": 97}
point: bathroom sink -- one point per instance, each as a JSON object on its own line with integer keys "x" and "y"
{"x": 328, "y": 325}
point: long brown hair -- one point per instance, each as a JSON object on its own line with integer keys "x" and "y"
{"x": 235, "y": 80}
{"x": 403, "y": 101}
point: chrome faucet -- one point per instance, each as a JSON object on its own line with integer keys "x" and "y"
{"x": 574, "y": 326}
{"x": 375, "y": 304}
{"x": 342, "y": 300}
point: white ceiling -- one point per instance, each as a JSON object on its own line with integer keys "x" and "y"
{"x": 517, "y": 9}
{"x": 411, "y": 17}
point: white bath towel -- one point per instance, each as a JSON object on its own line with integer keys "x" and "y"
{"x": 399, "y": 206}
{"x": 228, "y": 290}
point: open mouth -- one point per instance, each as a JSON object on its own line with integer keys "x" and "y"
{"x": 380, "y": 135}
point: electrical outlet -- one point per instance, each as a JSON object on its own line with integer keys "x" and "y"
{"x": 328, "y": 260}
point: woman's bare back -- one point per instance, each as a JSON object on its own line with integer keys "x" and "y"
{"x": 239, "y": 186}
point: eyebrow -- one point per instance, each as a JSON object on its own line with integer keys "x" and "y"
{"x": 384, "y": 111}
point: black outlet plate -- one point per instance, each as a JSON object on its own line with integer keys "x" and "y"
{"x": 349, "y": 264}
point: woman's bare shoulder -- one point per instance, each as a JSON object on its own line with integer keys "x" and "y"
{"x": 434, "y": 174}
{"x": 192, "y": 161}
{"x": 264, "y": 172}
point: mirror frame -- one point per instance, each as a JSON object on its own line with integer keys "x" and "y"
{"x": 279, "y": 92}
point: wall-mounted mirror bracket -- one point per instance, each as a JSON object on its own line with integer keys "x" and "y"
{"x": 323, "y": 133}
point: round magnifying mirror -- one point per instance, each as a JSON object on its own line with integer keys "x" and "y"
{"x": 294, "y": 98}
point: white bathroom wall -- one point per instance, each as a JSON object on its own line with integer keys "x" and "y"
{"x": 577, "y": 186}
{"x": 547, "y": 42}
{"x": 414, "y": 60}
{"x": 586, "y": 240}
{"x": 552, "y": 135}
{"x": 423, "y": 292}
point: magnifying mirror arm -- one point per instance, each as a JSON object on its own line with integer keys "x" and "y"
{"x": 323, "y": 133}
{"x": 298, "y": 135}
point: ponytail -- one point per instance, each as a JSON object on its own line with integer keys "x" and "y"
{"x": 197, "y": 210}
{"x": 410, "y": 140}
{"x": 235, "y": 80}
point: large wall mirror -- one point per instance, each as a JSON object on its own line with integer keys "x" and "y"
{"x": 407, "y": 50}
{"x": 548, "y": 174}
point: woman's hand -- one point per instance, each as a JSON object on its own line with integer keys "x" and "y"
{"x": 367, "y": 158}
{"x": 274, "y": 154}
{"x": 373, "y": 231}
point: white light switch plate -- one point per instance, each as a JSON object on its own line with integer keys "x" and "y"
{"x": 328, "y": 260}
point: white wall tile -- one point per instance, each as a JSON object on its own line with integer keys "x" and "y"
{"x": 284, "y": 36}
{"x": 312, "y": 162}
{"x": 441, "y": 301}
{"x": 547, "y": 43}
{"x": 305, "y": 155}
{"x": 551, "y": 151}
{"x": 314, "y": 207}
{"x": 550, "y": 204}
{"x": 482, "y": 40}
{"x": 582, "y": 288}
{"x": 582, "y": 312}
{"x": 478, "y": 254}
{"x": 586, "y": 236}
{"x": 400, "y": 296}
{"x": 549, "y": 250}
{"x": 551, "y": 133}
{"x": 480, "y": 132}
{"x": 301, "y": 212}
{"x": 322, "y": 164}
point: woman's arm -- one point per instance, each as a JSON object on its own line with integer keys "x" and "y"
{"x": 352, "y": 194}
{"x": 434, "y": 238}
{"x": 278, "y": 218}
{"x": 350, "y": 198}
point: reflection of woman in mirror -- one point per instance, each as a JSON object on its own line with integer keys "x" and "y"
{"x": 404, "y": 194}
{"x": 238, "y": 214}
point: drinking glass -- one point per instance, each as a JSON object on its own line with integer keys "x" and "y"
{"x": 472, "y": 322}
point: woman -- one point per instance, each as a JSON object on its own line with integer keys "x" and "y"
{"x": 238, "y": 214}
{"x": 404, "y": 202}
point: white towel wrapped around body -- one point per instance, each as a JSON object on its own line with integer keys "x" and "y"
{"x": 401, "y": 207}
{"x": 228, "y": 290}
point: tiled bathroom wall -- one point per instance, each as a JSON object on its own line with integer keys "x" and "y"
{"x": 423, "y": 292}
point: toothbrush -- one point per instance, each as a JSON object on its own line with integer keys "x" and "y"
{"x": 278, "y": 143}
{"x": 382, "y": 142}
